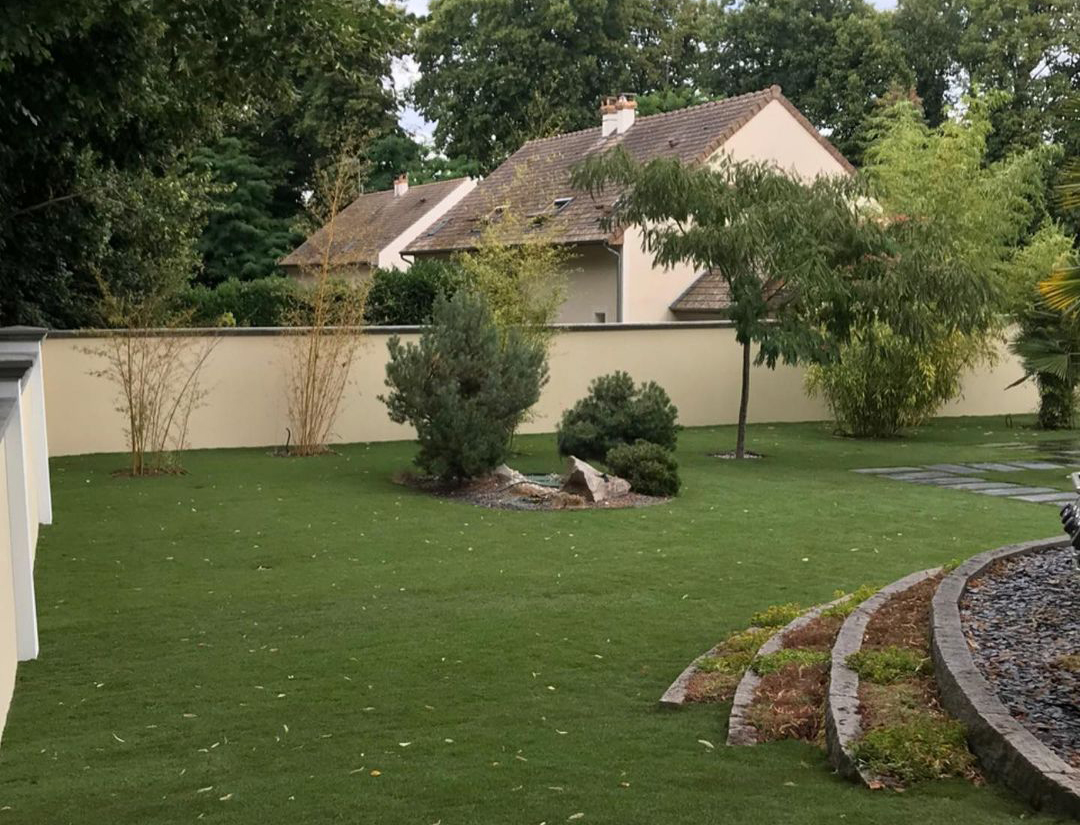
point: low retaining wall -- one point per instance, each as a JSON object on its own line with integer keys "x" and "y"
{"x": 842, "y": 720}
{"x": 1006, "y": 750}
{"x": 245, "y": 378}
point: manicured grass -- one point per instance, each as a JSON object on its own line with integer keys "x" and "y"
{"x": 247, "y": 643}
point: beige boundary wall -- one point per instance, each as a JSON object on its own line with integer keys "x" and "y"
{"x": 697, "y": 363}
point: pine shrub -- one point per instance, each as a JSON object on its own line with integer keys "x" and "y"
{"x": 464, "y": 387}
{"x": 617, "y": 412}
{"x": 650, "y": 468}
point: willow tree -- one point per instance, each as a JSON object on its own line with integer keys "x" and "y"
{"x": 780, "y": 245}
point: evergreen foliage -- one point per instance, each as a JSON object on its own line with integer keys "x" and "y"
{"x": 614, "y": 413}
{"x": 248, "y": 231}
{"x": 464, "y": 386}
{"x": 651, "y": 469}
{"x": 402, "y": 297}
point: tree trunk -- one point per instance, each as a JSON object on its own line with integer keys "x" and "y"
{"x": 744, "y": 402}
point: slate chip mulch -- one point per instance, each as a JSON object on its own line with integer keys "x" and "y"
{"x": 1022, "y": 621}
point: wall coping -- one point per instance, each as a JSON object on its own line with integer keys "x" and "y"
{"x": 241, "y": 332}
{"x": 1006, "y": 749}
{"x": 22, "y": 333}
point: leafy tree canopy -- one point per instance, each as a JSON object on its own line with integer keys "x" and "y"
{"x": 833, "y": 58}
{"x": 97, "y": 98}
{"x": 495, "y": 73}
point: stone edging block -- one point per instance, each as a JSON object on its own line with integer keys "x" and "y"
{"x": 843, "y": 724}
{"x": 1006, "y": 749}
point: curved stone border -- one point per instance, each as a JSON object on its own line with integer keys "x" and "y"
{"x": 843, "y": 724}
{"x": 1005, "y": 748}
{"x": 675, "y": 695}
{"x": 740, "y": 731}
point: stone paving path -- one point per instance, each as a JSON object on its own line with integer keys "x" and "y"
{"x": 968, "y": 477}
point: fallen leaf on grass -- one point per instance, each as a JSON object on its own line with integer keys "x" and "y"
{"x": 706, "y": 743}
{"x": 376, "y": 773}
{"x": 578, "y": 815}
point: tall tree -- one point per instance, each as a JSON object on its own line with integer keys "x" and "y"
{"x": 778, "y": 245}
{"x": 248, "y": 230}
{"x": 1028, "y": 48}
{"x": 495, "y": 73}
{"x": 833, "y": 59}
{"x": 98, "y": 94}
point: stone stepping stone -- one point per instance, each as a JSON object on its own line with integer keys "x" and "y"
{"x": 1038, "y": 465}
{"x": 954, "y": 468}
{"x": 997, "y": 467}
{"x": 925, "y": 475}
{"x": 958, "y": 481}
{"x": 880, "y": 470}
{"x": 1050, "y": 498}
{"x": 1015, "y": 490}
{"x": 973, "y": 485}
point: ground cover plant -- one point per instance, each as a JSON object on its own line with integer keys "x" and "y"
{"x": 907, "y": 736}
{"x": 264, "y": 640}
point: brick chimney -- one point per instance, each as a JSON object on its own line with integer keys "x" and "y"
{"x": 401, "y": 184}
{"x": 625, "y": 111}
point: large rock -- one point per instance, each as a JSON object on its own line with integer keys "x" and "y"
{"x": 508, "y": 475}
{"x": 592, "y": 485}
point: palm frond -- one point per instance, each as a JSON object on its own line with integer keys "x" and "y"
{"x": 1061, "y": 290}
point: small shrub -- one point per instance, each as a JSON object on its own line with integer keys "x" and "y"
{"x": 930, "y": 747}
{"x": 464, "y": 387}
{"x": 853, "y": 600}
{"x": 777, "y": 661}
{"x": 776, "y": 615}
{"x": 401, "y": 297}
{"x": 617, "y": 412}
{"x": 650, "y": 468}
{"x": 885, "y": 665}
{"x": 884, "y": 382}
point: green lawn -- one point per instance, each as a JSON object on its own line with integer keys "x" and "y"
{"x": 247, "y": 643}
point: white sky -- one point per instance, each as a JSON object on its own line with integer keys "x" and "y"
{"x": 405, "y": 72}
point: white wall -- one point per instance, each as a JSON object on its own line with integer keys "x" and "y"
{"x": 390, "y": 255}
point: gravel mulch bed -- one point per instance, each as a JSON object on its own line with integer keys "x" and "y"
{"x": 1022, "y": 620}
{"x": 497, "y": 494}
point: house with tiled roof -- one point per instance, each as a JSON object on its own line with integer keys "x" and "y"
{"x": 373, "y": 230}
{"x": 612, "y": 279}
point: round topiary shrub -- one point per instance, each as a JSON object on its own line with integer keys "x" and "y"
{"x": 650, "y": 468}
{"x": 617, "y": 412}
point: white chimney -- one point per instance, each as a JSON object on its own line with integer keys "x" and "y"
{"x": 401, "y": 184}
{"x": 608, "y": 116}
{"x": 625, "y": 110}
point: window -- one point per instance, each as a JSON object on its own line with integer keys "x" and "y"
{"x": 562, "y": 203}
{"x": 600, "y": 317}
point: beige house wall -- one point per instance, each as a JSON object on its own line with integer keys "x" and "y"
{"x": 592, "y": 286}
{"x": 774, "y": 134}
{"x": 698, "y": 364}
{"x": 390, "y": 255}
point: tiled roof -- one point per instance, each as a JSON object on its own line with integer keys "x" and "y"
{"x": 710, "y": 294}
{"x": 528, "y": 183}
{"x": 369, "y": 223}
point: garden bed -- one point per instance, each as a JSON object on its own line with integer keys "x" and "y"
{"x": 906, "y": 736}
{"x": 1022, "y": 619}
{"x": 497, "y": 493}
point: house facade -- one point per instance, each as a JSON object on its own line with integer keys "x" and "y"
{"x": 372, "y": 231}
{"x": 611, "y": 277}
